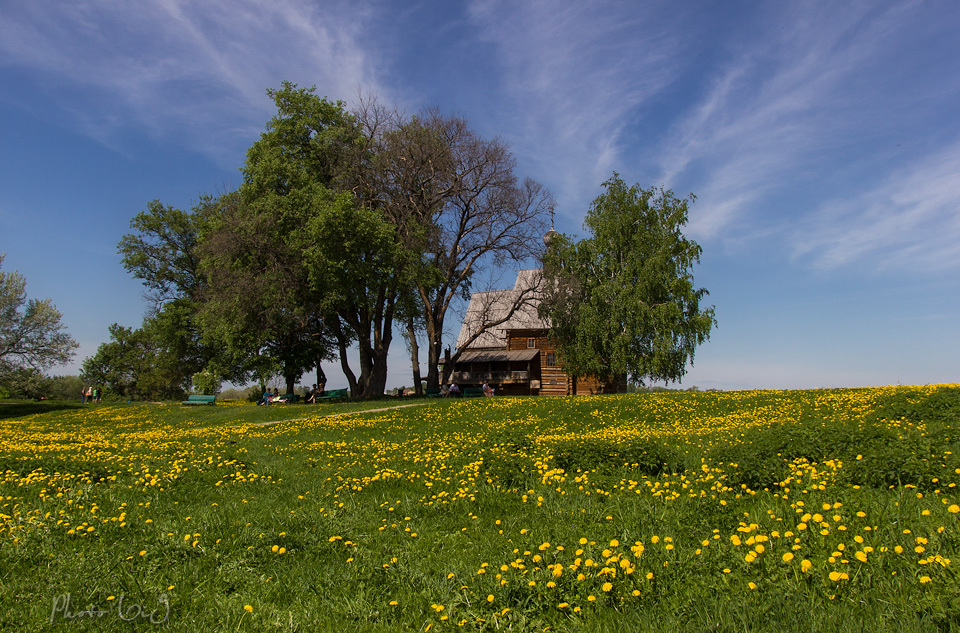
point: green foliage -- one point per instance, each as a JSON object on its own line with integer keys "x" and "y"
{"x": 644, "y": 456}
{"x": 26, "y": 383}
{"x": 233, "y": 393}
{"x": 623, "y": 301}
{"x": 507, "y": 459}
{"x": 937, "y": 410}
{"x": 254, "y": 394}
{"x": 164, "y": 253}
{"x": 30, "y": 384}
{"x": 455, "y": 515}
{"x": 874, "y": 454}
{"x": 135, "y": 364}
{"x": 328, "y": 253}
{"x": 65, "y": 388}
{"x": 206, "y": 382}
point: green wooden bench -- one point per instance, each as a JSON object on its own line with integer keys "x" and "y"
{"x": 194, "y": 399}
{"x": 287, "y": 398}
{"x": 433, "y": 393}
{"x": 472, "y": 392}
{"x": 334, "y": 394}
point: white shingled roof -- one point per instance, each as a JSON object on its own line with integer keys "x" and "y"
{"x": 493, "y": 306}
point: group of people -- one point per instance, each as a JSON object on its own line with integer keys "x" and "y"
{"x": 314, "y": 393}
{"x": 89, "y": 394}
{"x": 271, "y": 395}
{"x": 453, "y": 391}
{"x": 268, "y": 396}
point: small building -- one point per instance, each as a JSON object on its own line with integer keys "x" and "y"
{"x": 513, "y": 354}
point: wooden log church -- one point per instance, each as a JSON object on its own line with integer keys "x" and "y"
{"x": 512, "y": 352}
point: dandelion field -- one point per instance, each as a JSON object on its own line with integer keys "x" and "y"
{"x": 716, "y": 511}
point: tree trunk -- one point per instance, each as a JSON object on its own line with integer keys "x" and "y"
{"x": 344, "y": 361}
{"x": 434, "y": 379}
{"x": 321, "y": 377}
{"x": 415, "y": 357}
{"x": 434, "y": 327}
{"x": 373, "y": 372}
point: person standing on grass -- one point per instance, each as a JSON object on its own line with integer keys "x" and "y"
{"x": 83, "y": 395}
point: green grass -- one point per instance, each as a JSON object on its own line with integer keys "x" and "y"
{"x": 456, "y": 514}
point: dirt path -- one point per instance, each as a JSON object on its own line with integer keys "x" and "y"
{"x": 333, "y": 415}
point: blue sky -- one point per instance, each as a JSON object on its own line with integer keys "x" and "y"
{"x": 822, "y": 140}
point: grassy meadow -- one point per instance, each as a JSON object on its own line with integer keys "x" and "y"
{"x": 716, "y": 511}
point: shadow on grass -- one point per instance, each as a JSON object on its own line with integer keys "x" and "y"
{"x": 20, "y": 409}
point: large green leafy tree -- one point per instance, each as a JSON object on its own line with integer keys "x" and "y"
{"x": 135, "y": 364}
{"x": 163, "y": 252}
{"x": 257, "y": 303}
{"x": 302, "y": 185}
{"x": 623, "y": 301}
{"x": 31, "y": 333}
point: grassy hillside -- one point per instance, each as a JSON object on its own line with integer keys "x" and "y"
{"x": 728, "y": 511}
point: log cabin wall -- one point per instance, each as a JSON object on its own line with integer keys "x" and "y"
{"x": 553, "y": 381}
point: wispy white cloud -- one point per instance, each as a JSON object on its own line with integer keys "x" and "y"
{"x": 908, "y": 222}
{"x": 776, "y": 120}
{"x": 194, "y": 70}
{"x": 574, "y": 77}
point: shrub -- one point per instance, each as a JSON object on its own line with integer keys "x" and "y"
{"x": 647, "y": 457}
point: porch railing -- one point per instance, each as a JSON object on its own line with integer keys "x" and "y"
{"x": 495, "y": 377}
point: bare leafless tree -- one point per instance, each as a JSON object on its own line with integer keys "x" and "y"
{"x": 459, "y": 208}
